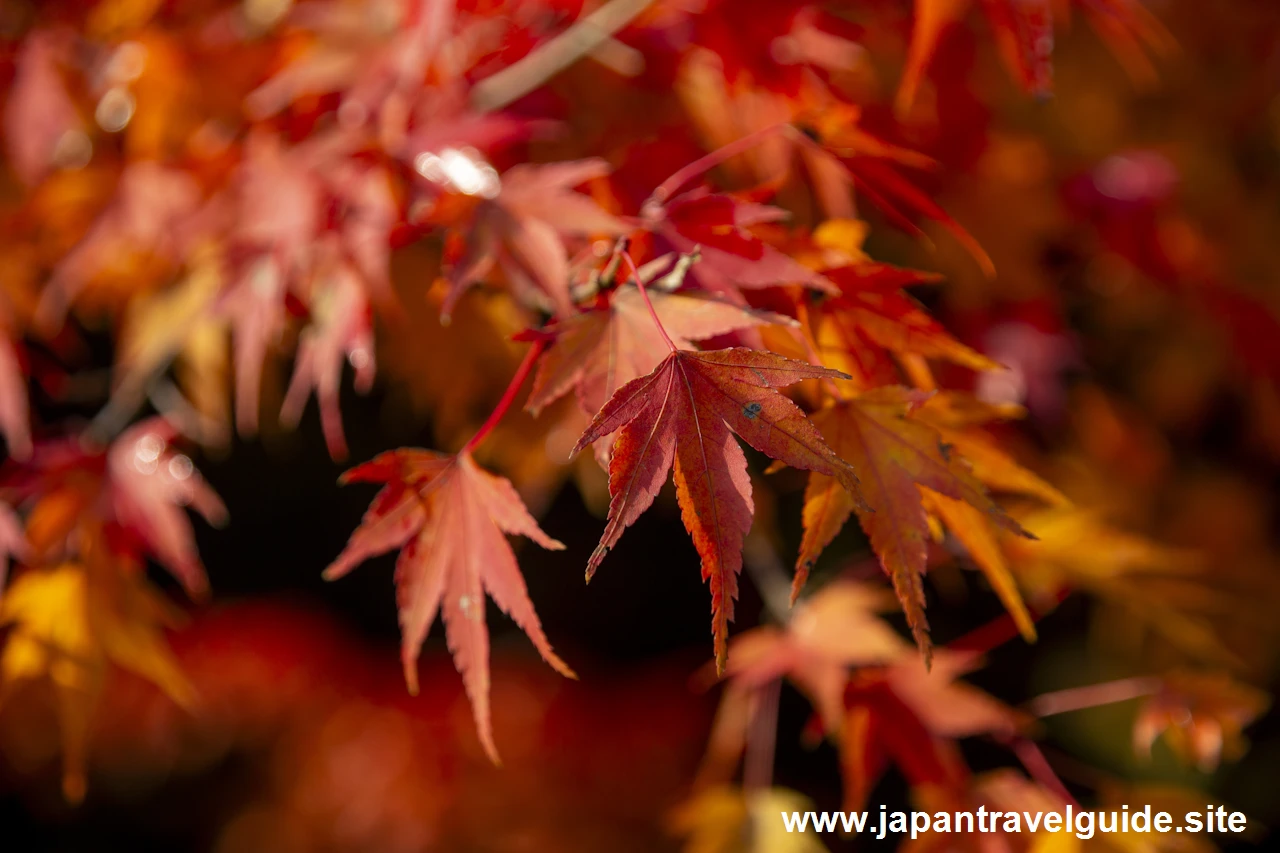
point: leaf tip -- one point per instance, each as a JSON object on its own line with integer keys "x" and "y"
{"x": 411, "y": 673}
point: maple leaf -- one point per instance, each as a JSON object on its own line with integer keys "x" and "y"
{"x": 67, "y": 623}
{"x": 521, "y": 224}
{"x": 912, "y": 714}
{"x": 682, "y": 415}
{"x": 896, "y": 455}
{"x": 153, "y": 213}
{"x": 149, "y": 485}
{"x": 947, "y": 706}
{"x": 282, "y": 246}
{"x": 879, "y": 727}
{"x": 1024, "y": 35}
{"x": 958, "y": 418}
{"x": 180, "y": 324}
{"x": 133, "y": 493}
{"x": 775, "y": 46}
{"x": 373, "y": 56}
{"x": 39, "y": 116}
{"x": 340, "y": 331}
{"x": 821, "y": 135}
{"x": 1201, "y": 716}
{"x": 1154, "y": 585}
{"x": 598, "y": 351}
{"x": 448, "y": 516}
{"x": 871, "y": 314}
{"x": 837, "y": 628}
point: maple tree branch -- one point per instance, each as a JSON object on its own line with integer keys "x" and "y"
{"x": 508, "y": 396}
{"x": 549, "y": 59}
{"x": 1092, "y": 695}
{"x": 683, "y": 175}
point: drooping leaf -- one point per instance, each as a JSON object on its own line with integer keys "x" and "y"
{"x": 340, "y": 332}
{"x": 1158, "y": 587}
{"x": 153, "y": 214}
{"x": 377, "y": 59}
{"x": 150, "y": 485}
{"x": 879, "y": 728}
{"x": 448, "y": 517}
{"x": 828, "y": 633}
{"x": 912, "y": 715}
{"x": 1023, "y": 33}
{"x": 66, "y": 624}
{"x": 896, "y": 455}
{"x": 958, "y": 418}
{"x": 133, "y": 493}
{"x": 684, "y": 414}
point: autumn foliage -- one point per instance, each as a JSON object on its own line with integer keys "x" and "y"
{"x": 816, "y": 263}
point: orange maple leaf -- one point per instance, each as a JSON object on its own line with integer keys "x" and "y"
{"x": 896, "y": 455}
{"x": 448, "y": 516}
{"x": 873, "y": 314}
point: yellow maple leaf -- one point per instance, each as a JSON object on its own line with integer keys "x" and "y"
{"x": 730, "y": 820}
{"x": 67, "y": 624}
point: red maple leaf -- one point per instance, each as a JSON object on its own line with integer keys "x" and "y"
{"x": 447, "y": 516}
{"x": 684, "y": 414}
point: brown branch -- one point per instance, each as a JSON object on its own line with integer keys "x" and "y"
{"x": 549, "y": 59}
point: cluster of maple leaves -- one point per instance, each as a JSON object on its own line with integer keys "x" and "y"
{"x": 264, "y": 216}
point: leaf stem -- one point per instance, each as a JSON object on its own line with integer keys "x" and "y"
{"x": 644, "y": 294}
{"x": 508, "y": 396}
{"x": 998, "y": 631}
{"x": 687, "y": 173}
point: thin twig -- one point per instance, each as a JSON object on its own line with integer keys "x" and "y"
{"x": 1092, "y": 695}
{"x": 687, "y": 173}
{"x": 584, "y": 36}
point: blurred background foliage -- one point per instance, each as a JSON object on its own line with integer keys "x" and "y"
{"x": 1133, "y": 218}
